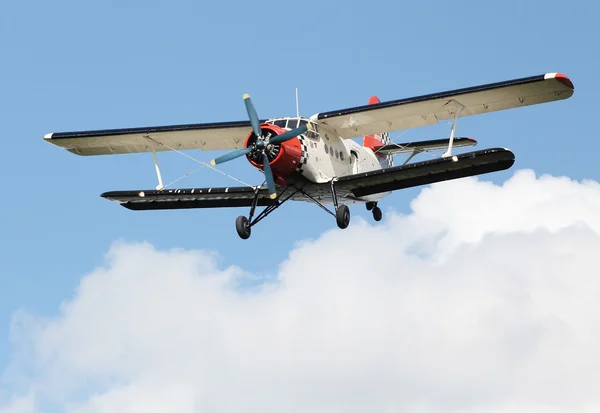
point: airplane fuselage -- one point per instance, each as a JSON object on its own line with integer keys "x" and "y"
{"x": 326, "y": 156}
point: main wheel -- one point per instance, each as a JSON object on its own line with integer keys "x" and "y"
{"x": 377, "y": 214}
{"x": 242, "y": 226}
{"x": 342, "y": 216}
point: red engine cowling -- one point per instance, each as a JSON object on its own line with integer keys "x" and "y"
{"x": 283, "y": 158}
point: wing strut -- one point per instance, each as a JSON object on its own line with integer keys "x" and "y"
{"x": 160, "y": 185}
{"x": 458, "y": 108}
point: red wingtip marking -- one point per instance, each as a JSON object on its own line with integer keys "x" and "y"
{"x": 564, "y": 80}
{"x": 374, "y": 99}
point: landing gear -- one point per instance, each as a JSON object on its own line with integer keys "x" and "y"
{"x": 242, "y": 226}
{"x": 377, "y": 214}
{"x": 342, "y": 212}
{"x": 342, "y": 216}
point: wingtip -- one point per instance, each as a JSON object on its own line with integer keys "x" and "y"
{"x": 561, "y": 78}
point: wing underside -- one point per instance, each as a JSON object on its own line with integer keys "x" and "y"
{"x": 427, "y": 172}
{"x": 423, "y": 146}
{"x": 347, "y": 123}
{"x": 430, "y": 109}
{"x": 351, "y": 187}
{"x": 188, "y": 198}
{"x": 204, "y": 136}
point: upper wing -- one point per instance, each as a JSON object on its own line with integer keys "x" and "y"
{"x": 188, "y": 198}
{"x": 423, "y": 146}
{"x": 427, "y": 172}
{"x": 429, "y": 109}
{"x": 205, "y": 136}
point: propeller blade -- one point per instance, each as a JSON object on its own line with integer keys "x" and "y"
{"x": 231, "y": 155}
{"x": 286, "y": 136}
{"x": 252, "y": 115}
{"x": 269, "y": 176}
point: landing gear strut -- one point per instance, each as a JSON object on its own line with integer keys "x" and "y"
{"x": 243, "y": 225}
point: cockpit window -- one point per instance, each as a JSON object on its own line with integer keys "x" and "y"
{"x": 280, "y": 123}
{"x": 303, "y": 122}
{"x": 292, "y": 123}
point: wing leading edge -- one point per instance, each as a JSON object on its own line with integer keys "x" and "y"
{"x": 429, "y": 109}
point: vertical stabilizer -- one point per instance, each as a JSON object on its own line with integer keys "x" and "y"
{"x": 379, "y": 139}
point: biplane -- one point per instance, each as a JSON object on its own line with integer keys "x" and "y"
{"x": 318, "y": 158}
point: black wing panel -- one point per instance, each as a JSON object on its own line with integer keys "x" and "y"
{"x": 188, "y": 198}
{"x": 427, "y": 172}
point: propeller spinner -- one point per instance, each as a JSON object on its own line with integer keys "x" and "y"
{"x": 261, "y": 145}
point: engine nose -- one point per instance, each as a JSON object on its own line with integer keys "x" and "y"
{"x": 272, "y": 150}
{"x": 283, "y": 157}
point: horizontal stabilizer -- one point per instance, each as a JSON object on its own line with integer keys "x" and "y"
{"x": 423, "y": 146}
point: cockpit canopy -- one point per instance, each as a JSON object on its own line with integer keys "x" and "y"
{"x": 292, "y": 123}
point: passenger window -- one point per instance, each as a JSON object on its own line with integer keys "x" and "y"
{"x": 341, "y": 155}
{"x": 337, "y": 154}
{"x": 326, "y": 148}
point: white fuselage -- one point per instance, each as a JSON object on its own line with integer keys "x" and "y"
{"x": 328, "y": 156}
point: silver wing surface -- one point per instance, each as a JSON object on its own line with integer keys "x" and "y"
{"x": 204, "y": 136}
{"x": 430, "y": 109}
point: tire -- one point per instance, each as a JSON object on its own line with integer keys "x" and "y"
{"x": 371, "y": 205}
{"x": 242, "y": 226}
{"x": 342, "y": 216}
{"x": 377, "y": 214}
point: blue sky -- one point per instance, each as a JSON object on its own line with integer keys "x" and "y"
{"x": 70, "y": 65}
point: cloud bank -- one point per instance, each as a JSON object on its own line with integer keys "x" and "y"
{"x": 483, "y": 298}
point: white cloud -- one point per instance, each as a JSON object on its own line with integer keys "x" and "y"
{"x": 485, "y": 297}
{"x": 19, "y": 404}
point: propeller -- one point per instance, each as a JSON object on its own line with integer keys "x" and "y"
{"x": 262, "y": 145}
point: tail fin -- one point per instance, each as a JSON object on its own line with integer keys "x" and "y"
{"x": 379, "y": 139}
